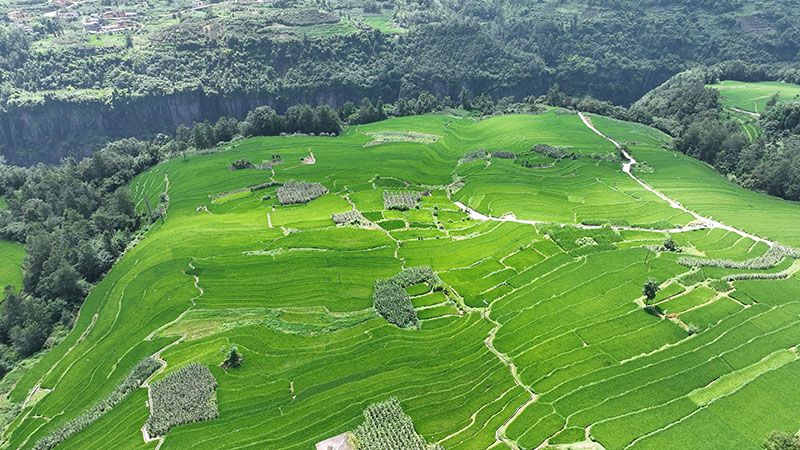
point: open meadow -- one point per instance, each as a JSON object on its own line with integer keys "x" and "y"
{"x": 530, "y": 328}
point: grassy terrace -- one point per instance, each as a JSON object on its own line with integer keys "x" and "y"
{"x": 525, "y": 308}
{"x": 10, "y": 264}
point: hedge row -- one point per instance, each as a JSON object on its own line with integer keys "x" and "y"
{"x": 770, "y": 259}
{"x": 132, "y": 381}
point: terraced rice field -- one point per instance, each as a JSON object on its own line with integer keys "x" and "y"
{"x": 540, "y": 335}
{"x": 743, "y": 101}
{"x": 752, "y": 96}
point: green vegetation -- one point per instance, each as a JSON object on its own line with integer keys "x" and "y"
{"x": 293, "y": 192}
{"x": 132, "y": 381}
{"x": 753, "y": 96}
{"x": 185, "y": 396}
{"x": 386, "y": 426}
{"x": 391, "y": 299}
{"x": 11, "y": 264}
{"x": 525, "y": 325}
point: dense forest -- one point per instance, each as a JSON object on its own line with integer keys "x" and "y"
{"x": 203, "y": 69}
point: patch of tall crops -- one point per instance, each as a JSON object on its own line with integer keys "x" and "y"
{"x": 387, "y": 427}
{"x": 400, "y": 200}
{"x": 293, "y": 192}
{"x": 186, "y": 396}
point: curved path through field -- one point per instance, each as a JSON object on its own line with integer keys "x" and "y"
{"x": 626, "y": 167}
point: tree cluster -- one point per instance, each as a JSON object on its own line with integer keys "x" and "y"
{"x": 75, "y": 220}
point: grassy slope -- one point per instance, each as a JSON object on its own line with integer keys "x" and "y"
{"x": 298, "y": 304}
{"x": 699, "y": 187}
{"x": 11, "y": 254}
{"x": 753, "y": 97}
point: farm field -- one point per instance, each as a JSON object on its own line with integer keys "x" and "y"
{"x": 743, "y": 101}
{"x": 752, "y": 96}
{"x": 530, "y": 328}
{"x": 11, "y": 264}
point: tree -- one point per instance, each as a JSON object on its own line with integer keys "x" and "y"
{"x": 650, "y": 288}
{"x": 669, "y": 244}
{"x": 232, "y": 358}
{"x": 465, "y": 99}
{"x": 780, "y": 440}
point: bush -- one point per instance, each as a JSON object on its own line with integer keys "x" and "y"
{"x": 400, "y": 200}
{"x": 233, "y": 358}
{"x": 391, "y": 299}
{"x": 557, "y": 153}
{"x": 780, "y": 440}
{"x": 186, "y": 396}
{"x": 504, "y": 154}
{"x": 386, "y": 426}
{"x": 293, "y": 192}
{"x": 242, "y": 164}
{"x": 132, "y": 381}
{"x": 474, "y": 155}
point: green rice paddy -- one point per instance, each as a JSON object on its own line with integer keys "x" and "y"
{"x": 552, "y": 309}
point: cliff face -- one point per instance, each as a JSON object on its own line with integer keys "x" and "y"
{"x": 57, "y": 129}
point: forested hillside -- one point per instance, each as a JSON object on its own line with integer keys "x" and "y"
{"x": 61, "y": 94}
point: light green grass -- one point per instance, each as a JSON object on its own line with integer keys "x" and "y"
{"x": 11, "y": 254}
{"x": 296, "y": 298}
{"x": 753, "y": 96}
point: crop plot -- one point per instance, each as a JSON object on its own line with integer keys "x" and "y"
{"x": 498, "y": 300}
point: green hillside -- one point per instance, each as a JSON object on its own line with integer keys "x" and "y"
{"x": 532, "y": 327}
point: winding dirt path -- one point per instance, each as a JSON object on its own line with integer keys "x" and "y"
{"x": 626, "y": 167}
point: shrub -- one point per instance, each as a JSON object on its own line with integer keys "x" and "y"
{"x": 391, "y": 299}
{"x": 584, "y": 241}
{"x": 186, "y": 396}
{"x": 400, "y": 200}
{"x": 770, "y": 259}
{"x": 780, "y": 440}
{"x": 503, "y": 154}
{"x": 387, "y": 426}
{"x": 293, "y": 192}
{"x": 132, "y": 381}
{"x": 242, "y": 164}
{"x": 233, "y": 358}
